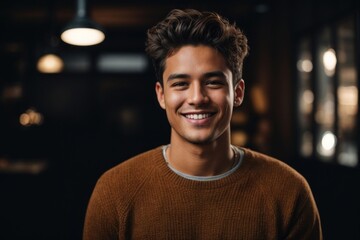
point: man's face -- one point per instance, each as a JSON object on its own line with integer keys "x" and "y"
{"x": 198, "y": 94}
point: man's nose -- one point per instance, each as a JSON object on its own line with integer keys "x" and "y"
{"x": 197, "y": 94}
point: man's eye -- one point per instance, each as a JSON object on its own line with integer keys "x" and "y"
{"x": 215, "y": 83}
{"x": 179, "y": 84}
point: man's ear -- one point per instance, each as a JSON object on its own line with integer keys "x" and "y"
{"x": 160, "y": 94}
{"x": 239, "y": 93}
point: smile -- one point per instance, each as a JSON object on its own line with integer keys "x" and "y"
{"x": 197, "y": 116}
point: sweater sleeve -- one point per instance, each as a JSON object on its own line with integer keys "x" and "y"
{"x": 100, "y": 220}
{"x": 305, "y": 223}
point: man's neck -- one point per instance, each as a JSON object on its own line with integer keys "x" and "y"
{"x": 201, "y": 159}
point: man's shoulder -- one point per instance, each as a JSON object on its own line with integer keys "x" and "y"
{"x": 273, "y": 168}
{"x": 120, "y": 184}
{"x": 136, "y": 167}
{"x": 276, "y": 179}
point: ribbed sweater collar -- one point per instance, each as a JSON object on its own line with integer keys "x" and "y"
{"x": 162, "y": 170}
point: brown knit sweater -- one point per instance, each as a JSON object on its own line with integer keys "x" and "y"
{"x": 142, "y": 198}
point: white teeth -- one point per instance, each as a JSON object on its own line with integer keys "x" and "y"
{"x": 197, "y": 116}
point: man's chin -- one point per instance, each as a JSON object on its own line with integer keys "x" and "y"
{"x": 200, "y": 141}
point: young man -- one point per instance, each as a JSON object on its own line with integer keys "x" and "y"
{"x": 200, "y": 186}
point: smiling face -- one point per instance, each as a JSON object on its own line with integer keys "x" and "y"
{"x": 198, "y": 95}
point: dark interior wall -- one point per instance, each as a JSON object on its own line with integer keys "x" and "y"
{"x": 271, "y": 69}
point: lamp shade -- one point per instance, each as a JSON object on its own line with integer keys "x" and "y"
{"x": 83, "y": 32}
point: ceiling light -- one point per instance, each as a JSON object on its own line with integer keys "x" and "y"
{"x": 50, "y": 63}
{"x": 82, "y": 31}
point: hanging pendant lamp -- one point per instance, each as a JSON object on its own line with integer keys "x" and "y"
{"x": 82, "y": 31}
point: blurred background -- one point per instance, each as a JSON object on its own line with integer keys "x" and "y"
{"x": 68, "y": 113}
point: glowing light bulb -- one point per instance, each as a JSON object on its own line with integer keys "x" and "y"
{"x": 50, "y": 63}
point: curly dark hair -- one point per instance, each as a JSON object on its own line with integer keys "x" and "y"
{"x": 192, "y": 27}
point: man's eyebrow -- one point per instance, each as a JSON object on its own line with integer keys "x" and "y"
{"x": 206, "y": 75}
{"x": 215, "y": 74}
{"x": 178, "y": 75}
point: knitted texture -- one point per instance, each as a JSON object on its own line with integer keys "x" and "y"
{"x": 142, "y": 198}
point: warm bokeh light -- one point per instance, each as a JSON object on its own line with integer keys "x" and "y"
{"x": 258, "y": 97}
{"x": 328, "y": 141}
{"x": 308, "y": 96}
{"x": 327, "y": 144}
{"x": 31, "y": 117}
{"x": 305, "y": 65}
{"x": 24, "y": 119}
{"x": 239, "y": 118}
{"x": 348, "y": 107}
{"x": 239, "y": 138}
{"x": 50, "y": 63}
{"x": 83, "y": 36}
{"x": 329, "y": 61}
{"x": 325, "y": 114}
{"x": 307, "y": 101}
{"x": 348, "y": 95}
